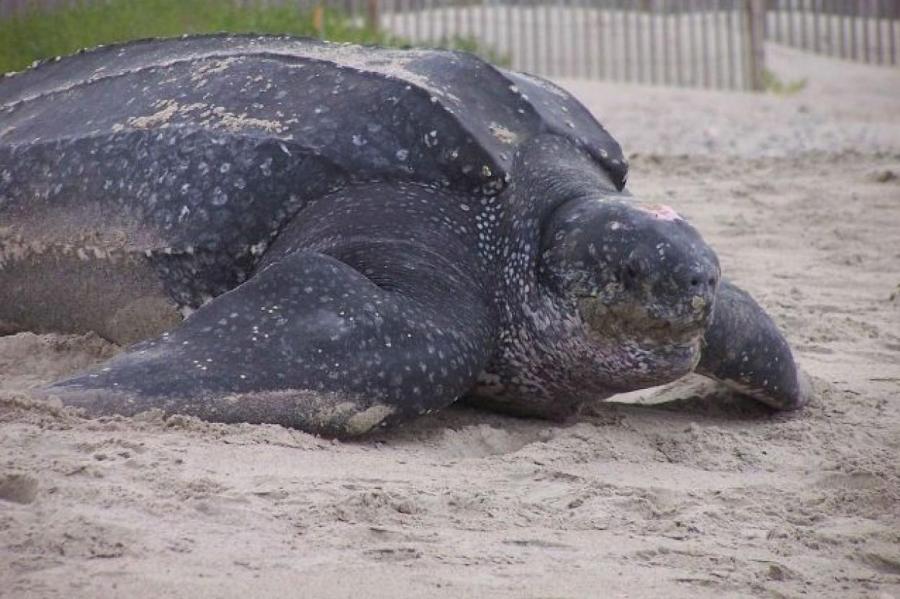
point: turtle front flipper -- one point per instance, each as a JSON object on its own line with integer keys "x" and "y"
{"x": 308, "y": 342}
{"x": 745, "y": 350}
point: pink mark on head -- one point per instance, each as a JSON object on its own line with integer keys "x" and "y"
{"x": 661, "y": 211}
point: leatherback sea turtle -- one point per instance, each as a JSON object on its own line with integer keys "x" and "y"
{"x": 353, "y": 235}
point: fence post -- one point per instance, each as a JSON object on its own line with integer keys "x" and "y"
{"x": 756, "y": 23}
{"x": 373, "y": 19}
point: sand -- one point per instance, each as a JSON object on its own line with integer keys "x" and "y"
{"x": 689, "y": 492}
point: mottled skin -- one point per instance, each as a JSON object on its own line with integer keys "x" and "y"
{"x": 356, "y": 235}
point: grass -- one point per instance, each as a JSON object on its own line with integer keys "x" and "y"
{"x": 37, "y": 35}
{"x": 773, "y": 84}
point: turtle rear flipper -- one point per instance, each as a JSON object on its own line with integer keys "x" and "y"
{"x": 308, "y": 342}
{"x": 745, "y": 350}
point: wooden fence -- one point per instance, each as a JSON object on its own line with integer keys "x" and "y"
{"x": 704, "y": 43}
{"x": 698, "y": 43}
{"x": 861, "y": 30}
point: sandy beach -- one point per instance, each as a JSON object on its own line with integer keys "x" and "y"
{"x": 681, "y": 491}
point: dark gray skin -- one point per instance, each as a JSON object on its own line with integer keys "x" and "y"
{"x": 357, "y": 236}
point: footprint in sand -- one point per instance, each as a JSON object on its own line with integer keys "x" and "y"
{"x": 18, "y": 488}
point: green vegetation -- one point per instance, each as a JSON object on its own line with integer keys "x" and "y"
{"x": 37, "y": 35}
{"x": 775, "y": 85}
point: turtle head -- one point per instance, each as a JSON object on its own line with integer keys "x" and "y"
{"x": 636, "y": 272}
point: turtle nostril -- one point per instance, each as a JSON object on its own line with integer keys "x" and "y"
{"x": 695, "y": 281}
{"x": 712, "y": 281}
{"x": 631, "y": 272}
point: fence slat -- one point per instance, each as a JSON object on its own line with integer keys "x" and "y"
{"x": 720, "y": 47}
{"x": 626, "y": 42}
{"x": 730, "y": 35}
{"x": 568, "y": 31}
{"x": 893, "y": 33}
{"x": 706, "y": 44}
{"x": 587, "y": 34}
{"x": 841, "y": 6}
{"x": 536, "y": 30}
{"x": 866, "y": 23}
{"x": 638, "y": 20}
{"x": 694, "y": 36}
{"x": 817, "y": 19}
{"x": 878, "y": 40}
{"x": 603, "y": 42}
{"x": 679, "y": 42}
{"x": 774, "y": 7}
{"x": 654, "y": 36}
{"x": 417, "y": 22}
